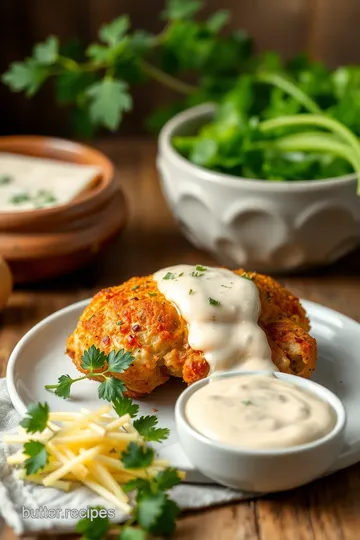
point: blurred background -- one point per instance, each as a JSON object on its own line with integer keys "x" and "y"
{"x": 327, "y": 29}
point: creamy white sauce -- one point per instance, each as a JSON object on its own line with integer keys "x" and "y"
{"x": 258, "y": 411}
{"x": 27, "y": 182}
{"x": 222, "y": 311}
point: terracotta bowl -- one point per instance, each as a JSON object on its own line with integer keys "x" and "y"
{"x": 44, "y": 243}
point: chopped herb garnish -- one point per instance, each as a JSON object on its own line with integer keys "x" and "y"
{"x": 20, "y": 198}
{"x": 247, "y": 402}
{"x": 226, "y": 286}
{"x": 152, "y": 294}
{"x": 5, "y": 179}
{"x": 245, "y": 275}
{"x": 119, "y": 323}
{"x": 135, "y": 287}
{"x": 213, "y": 302}
{"x": 191, "y": 291}
{"x": 200, "y": 268}
{"x": 181, "y": 274}
{"x": 169, "y": 275}
{"x": 196, "y": 274}
{"x": 44, "y": 197}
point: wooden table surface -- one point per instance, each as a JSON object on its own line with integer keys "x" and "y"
{"x": 324, "y": 510}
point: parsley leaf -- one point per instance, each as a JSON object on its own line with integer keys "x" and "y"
{"x": 200, "y": 268}
{"x": 36, "y": 418}
{"x": 111, "y": 389}
{"x": 137, "y": 457}
{"x": 47, "y": 53}
{"x": 245, "y": 275}
{"x": 125, "y": 405}
{"x": 181, "y": 9}
{"x": 137, "y": 483}
{"x": 108, "y": 100}
{"x": 130, "y": 533}
{"x": 119, "y": 361}
{"x": 38, "y": 456}
{"x": 213, "y": 302}
{"x": 165, "y": 525}
{"x": 145, "y": 425}
{"x": 113, "y": 32}
{"x": 169, "y": 275}
{"x": 93, "y": 358}
{"x": 191, "y": 291}
{"x": 167, "y": 479}
{"x": 93, "y": 529}
{"x": 135, "y": 287}
{"x": 64, "y": 386}
{"x": 149, "y": 509}
{"x": 27, "y": 76}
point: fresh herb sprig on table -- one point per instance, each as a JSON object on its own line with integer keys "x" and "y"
{"x": 100, "y": 365}
{"x": 275, "y": 121}
{"x": 154, "y": 512}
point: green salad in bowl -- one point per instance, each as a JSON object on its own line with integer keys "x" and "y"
{"x": 293, "y": 121}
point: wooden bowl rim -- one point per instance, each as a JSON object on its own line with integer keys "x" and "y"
{"x": 26, "y": 144}
{"x": 107, "y": 221}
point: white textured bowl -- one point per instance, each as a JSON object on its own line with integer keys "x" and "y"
{"x": 262, "y": 225}
{"x": 262, "y": 470}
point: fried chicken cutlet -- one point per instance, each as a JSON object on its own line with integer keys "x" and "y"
{"x": 136, "y": 317}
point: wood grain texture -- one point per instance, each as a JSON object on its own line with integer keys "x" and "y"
{"x": 328, "y": 29}
{"x": 324, "y": 510}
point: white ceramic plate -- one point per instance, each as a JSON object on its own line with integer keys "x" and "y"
{"x": 39, "y": 359}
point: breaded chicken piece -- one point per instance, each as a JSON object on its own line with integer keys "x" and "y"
{"x": 136, "y": 317}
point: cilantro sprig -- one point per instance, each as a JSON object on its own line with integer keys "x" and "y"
{"x": 93, "y": 360}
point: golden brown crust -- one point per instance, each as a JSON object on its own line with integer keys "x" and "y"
{"x": 135, "y": 316}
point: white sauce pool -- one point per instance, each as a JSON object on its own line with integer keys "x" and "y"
{"x": 222, "y": 311}
{"x": 259, "y": 412}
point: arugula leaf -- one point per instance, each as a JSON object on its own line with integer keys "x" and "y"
{"x": 36, "y": 419}
{"x": 145, "y": 425}
{"x": 93, "y": 529}
{"x": 108, "y": 100}
{"x": 27, "y": 76}
{"x": 38, "y": 456}
{"x": 130, "y": 533}
{"x": 167, "y": 479}
{"x": 137, "y": 457}
{"x": 93, "y": 358}
{"x": 119, "y": 361}
{"x": 47, "y": 53}
{"x": 113, "y": 32}
{"x": 111, "y": 389}
{"x": 181, "y": 9}
{"x": 64, "y": 386}
{"x": 125, "y": 405}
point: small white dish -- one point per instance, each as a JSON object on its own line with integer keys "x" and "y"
{"x": 264, "y": 470}
{"x": 263, "y": 225}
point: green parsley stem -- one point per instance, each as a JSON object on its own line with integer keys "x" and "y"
{"x": 166, "y": 79}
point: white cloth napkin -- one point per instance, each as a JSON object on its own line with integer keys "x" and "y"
{"x": 27, "y": 507}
